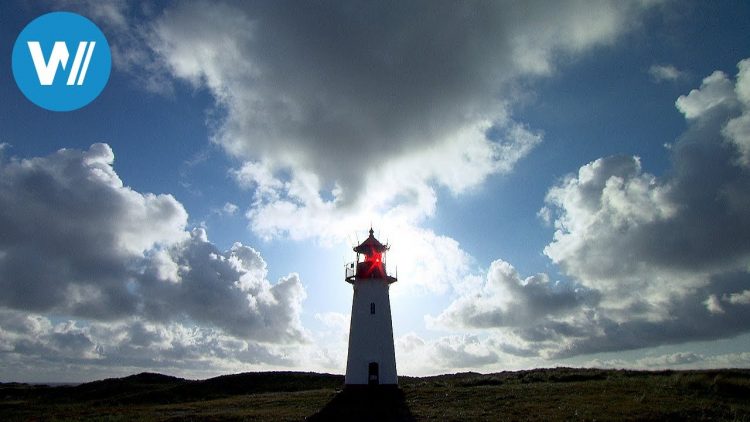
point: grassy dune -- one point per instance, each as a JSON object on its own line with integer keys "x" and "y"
{"x": 542, "y": 394}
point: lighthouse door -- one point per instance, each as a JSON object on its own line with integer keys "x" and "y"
{"x": 374, "y": 376}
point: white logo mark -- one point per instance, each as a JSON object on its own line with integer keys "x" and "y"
{"x": 59, "y": 57}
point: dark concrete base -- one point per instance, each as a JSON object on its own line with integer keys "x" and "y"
{"x": 368, "y": 387}
{"x": 361, "y": 402}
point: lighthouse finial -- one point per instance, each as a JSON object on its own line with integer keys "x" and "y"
{"x": 372, "y": 232}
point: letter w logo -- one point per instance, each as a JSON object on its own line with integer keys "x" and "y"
{"x": 46, "y": 71}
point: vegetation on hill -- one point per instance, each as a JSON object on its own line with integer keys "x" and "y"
{"x": 539, "y": 394}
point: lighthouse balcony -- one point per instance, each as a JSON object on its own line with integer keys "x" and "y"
{"x": 366, "y": 270}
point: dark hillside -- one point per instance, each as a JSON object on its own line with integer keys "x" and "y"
{"x": 150, "y": 388}
{"x": 262, "y": 382}
{"x": 539, "y": 394}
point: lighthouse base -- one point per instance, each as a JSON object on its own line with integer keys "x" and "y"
{"x": 366, "y": 404}
{"x": 372, "y": 388}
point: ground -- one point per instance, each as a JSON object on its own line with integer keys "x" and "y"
{"x": 541, "y": 394}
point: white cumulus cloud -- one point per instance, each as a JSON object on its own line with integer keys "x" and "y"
{"x": 652, "y": 260}
{"x": 135, "y": 286}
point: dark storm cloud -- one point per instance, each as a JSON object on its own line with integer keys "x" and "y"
{"x": 690, "y": 321}
{"x": 326, "y": 86}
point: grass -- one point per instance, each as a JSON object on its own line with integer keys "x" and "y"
{"x": 541, "y": 394}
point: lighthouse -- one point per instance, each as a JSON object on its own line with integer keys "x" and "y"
{"x": 372, "y": 358}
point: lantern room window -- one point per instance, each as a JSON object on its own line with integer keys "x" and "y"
{"x": 370, "y": 261}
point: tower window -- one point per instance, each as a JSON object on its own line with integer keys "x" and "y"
{"x": 372, "y": 308}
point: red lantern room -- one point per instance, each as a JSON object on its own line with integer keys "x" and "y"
{"x": 370, "y": 261}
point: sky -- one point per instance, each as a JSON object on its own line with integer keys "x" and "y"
{"x": 561, "y": 183}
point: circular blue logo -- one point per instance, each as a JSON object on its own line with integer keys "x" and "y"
{"x": 61, "y": 61}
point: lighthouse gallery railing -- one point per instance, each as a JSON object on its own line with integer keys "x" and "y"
{"x": 351, "y": 271}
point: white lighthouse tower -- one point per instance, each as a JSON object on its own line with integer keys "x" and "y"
{"x": 372, "y": 358}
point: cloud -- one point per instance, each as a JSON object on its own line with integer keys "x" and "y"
{"x": 111, "y": 14}
{"x": 79, "y": 243}
{"x": 599, "y": 211}
{"x": 505, "y": 299}
{"x": 35, "y": 348}
{"x": 228, "y": 290}
{"x": 681, "y": 360}
{"x": 336, "y": 321}
{"x": 668, "y": 72}
{"x": 416, "y": 355}
{"x": 663, "y": 251}
{"x": 716, "y": 90}
{"x": 742, "y": 298}
{"x": 730, "y": 360}
{"x": 665, "y": 237}
{"x": 652, "y": 260}
{"x": 713, "y": 305}
{"x": 70, "y": 227}
{"x": 230, "y": 208}
{"x": 363, "y": 118}
{"x": 328, "y": 349}
{"x": 737, "y": 130}
{"x": 463, "y": 352}
{"x": 670, "y": 360}
{"x": 338, "y": 109}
